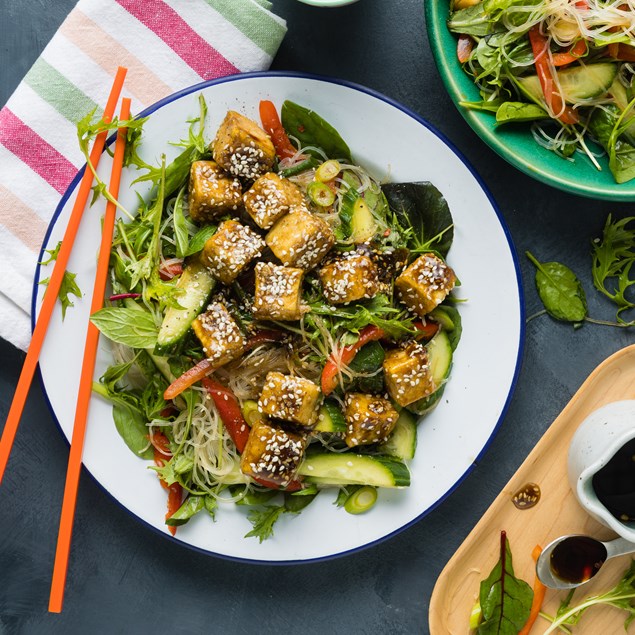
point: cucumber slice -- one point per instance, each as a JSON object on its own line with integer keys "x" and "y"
{"x": 327, "y": 468}
{"x": 403, "y": 439}
{"x": 331, "y": 418}
{"x": 440, "y": 357}
{"x": 441, "y": 316}
{"x": 578, "y": 82}
{"x": 440, "y": 360}
{"x": 195, "y": 286}
{"x": 363, "y": 225}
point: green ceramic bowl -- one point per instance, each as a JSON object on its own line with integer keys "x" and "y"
{"x": 515, "y": 143}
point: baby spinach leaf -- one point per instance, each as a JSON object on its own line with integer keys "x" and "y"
{"x": 132, "y": 428}
{"x": 517, "y": 111}
{"x": 421, "y": 207}
{"x": 483, "y": 106}
{"x": 311, "y": 130}
{"x": 603, "y": 125}
{"x": 505, "y": 600}
{"x": 560, "y": 291}
{"x": 368, "y": 362}
{"x": 127, "y": 326}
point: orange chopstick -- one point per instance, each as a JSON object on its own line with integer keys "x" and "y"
{"x": 55, "y": 282}
{"x": 60, "y": 568}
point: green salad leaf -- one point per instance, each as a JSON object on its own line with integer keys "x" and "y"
{"x": 190, "y": 507}
{"x": 560, "y": 291}
{"x": 69, "y": 285}
{"x": 311, "y": 130}
{"x": 421, "y": 208}
{"x": 127, "y": 326}
{"x": 505, "y": 600}
{"x": 613, "y": 257}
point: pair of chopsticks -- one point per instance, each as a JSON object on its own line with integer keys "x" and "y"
{"x": 92, "y": 336}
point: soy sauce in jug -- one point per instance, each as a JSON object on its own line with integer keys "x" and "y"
{"x": 614, "y": 484}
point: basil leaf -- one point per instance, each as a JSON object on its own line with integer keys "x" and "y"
{"x": 192, "y": 506}
{"x": 127, "y": 326}
{"x": 517, "y": 111}
{"x": 505, "y": 600}
{"x": 200, "y": 238}
{"x": 311, "y": 130}
{"x": 560, "y": 291}
{"x": 132, "y": 428}
{"x": 421, "y": 206}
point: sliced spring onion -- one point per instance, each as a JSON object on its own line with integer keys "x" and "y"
{"x": 328, "y": 171}
{"x": 361, "y": 500}
{"x": 250, "y": 412}
{"x": 298, "y": 168}
{"x": 321, "y": 194}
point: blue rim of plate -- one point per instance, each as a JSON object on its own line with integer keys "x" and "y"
{"x": 450, "y": 69}
{"x": 377, "y": 95}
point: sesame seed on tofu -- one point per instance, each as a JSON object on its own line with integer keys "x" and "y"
{"x": 369, "y": 419}
{"x": 408, "y": 374}
{"x": 272, "y": 454}
{"x": 270, "y": 198}
{"x": 212, "y": 192}
{"x": 300, "y": 239}
{"x": 243, "y": 148}
{"x": 352, "y": 276}
{"x": 289, "y": 398}
{"x": 425, "y": 283}
{"x": 219, "y": 334}
{"x": 230, "y": 250}
{"x": 278, "y": 292}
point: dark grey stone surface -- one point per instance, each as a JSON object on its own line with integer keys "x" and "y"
{"x": 125, "y": 579}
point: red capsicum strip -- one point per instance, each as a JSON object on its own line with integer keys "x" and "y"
{"x": 167, "y": 271}
{"x": 273, "y": 127}
{"x": 162, "y": 455}
{"x": 368, "y": 334}
{"x": 205, "y": 367}
{"x": 539, "y": 45}
{"x": 577, "y": 51}
{"x": 229, "y": 411}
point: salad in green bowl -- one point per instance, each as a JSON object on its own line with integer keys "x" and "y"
{"x": 547, "y": 83}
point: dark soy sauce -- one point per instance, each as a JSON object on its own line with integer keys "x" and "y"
{"x": 577, "y": 559}
{"x": 614, "y": 484}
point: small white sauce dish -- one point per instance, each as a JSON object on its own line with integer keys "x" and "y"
{"x": 594, "y": 444}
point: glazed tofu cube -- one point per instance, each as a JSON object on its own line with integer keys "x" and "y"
{"x": 243, "y": 148}
{"x": 212, "y": 192}
{"x": 349, "y": 278}
{"x": 300, "y": 239}
{"x": 278, "y": 292}
{"x": 230, "y": 250}
{"x": 407, "y": 373}
{"x": 425, "y": 283}
{"x": 270, "y": 198}
{"x": 272, "y": 454}
{"x": 292, "y": 399}
{"x": 369, "y": 419}
{"x": 219, "y": 334}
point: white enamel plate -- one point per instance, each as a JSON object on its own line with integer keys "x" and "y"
{"x": 396, "y": 145}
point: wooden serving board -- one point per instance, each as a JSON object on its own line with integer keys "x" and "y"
{"x": 557, "y": 513}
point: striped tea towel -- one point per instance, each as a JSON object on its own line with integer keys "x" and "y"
{"x": 165, "y": 44}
